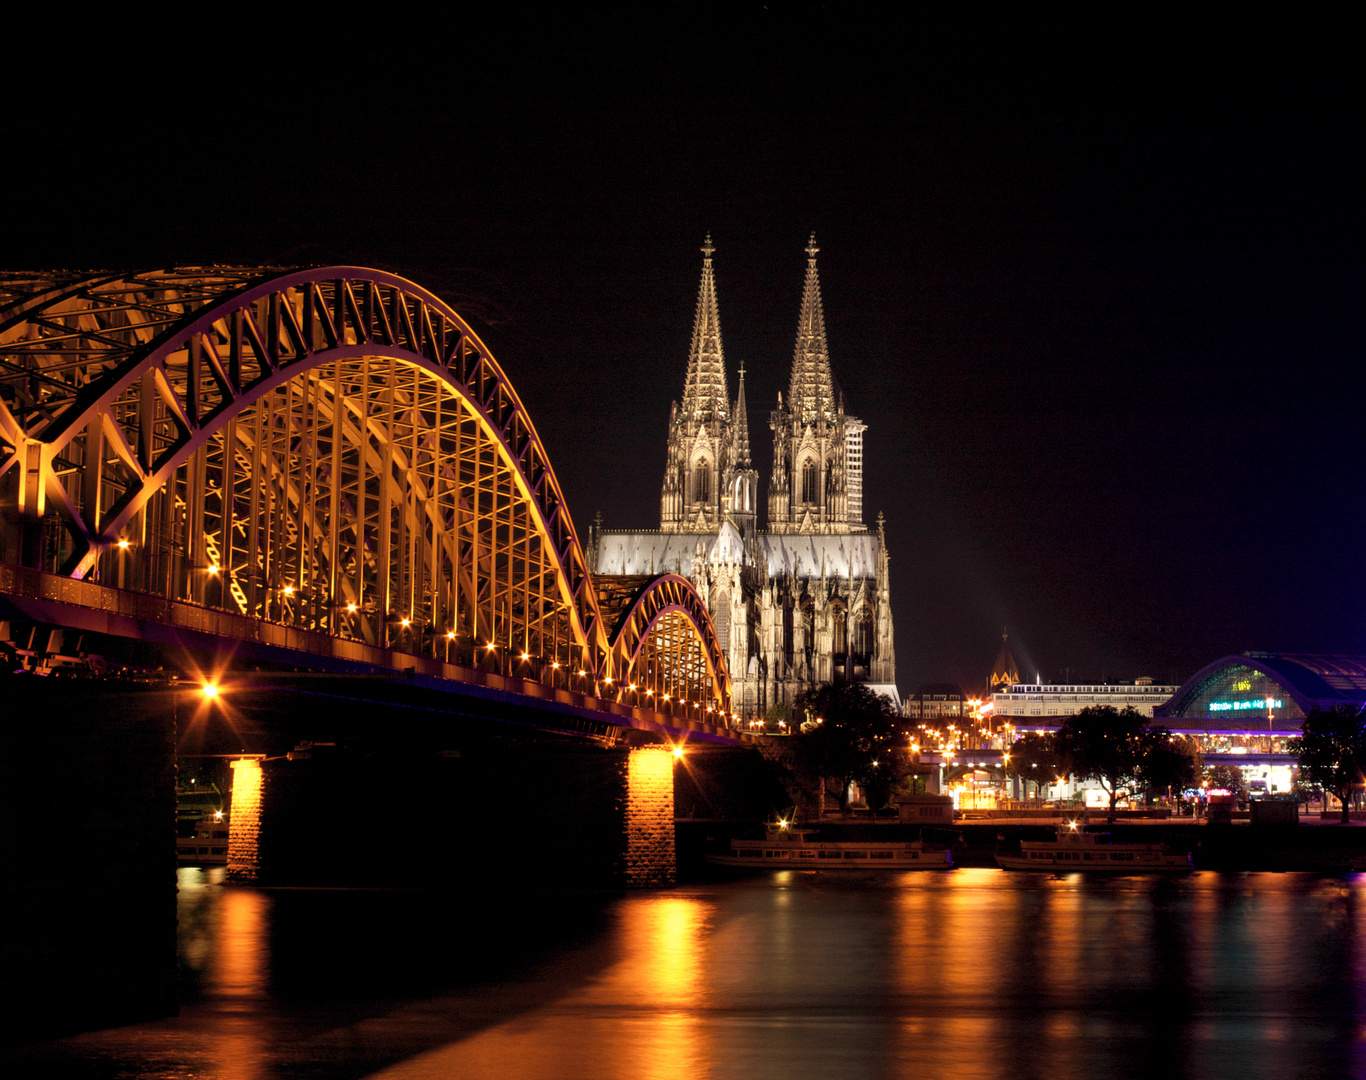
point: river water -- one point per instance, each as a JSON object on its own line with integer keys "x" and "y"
{"x": 973, "y": 973}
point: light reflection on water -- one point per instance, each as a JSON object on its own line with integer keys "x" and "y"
{"x": 971, "y": 974}
{"x": 974, "y": 973}
{"x": 224, "y": 941}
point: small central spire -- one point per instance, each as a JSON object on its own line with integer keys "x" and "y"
{"x": 811, "y": 247}
{"x": 708, "y": 247}
{"x": 740, "y": 432}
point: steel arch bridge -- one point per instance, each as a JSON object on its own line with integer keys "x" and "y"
{"x": 332, "y": 450}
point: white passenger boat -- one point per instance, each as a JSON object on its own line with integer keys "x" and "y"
{"x": 207, "y": 847}
{"x": 785, "y": 847}
{"x": 1076, "y": 850}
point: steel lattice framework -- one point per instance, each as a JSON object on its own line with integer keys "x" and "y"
{"x": 333, "y": 449}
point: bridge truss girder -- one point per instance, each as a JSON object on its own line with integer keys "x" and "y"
{"x": 333, "y": 449}
{"x": 665, "y": 648}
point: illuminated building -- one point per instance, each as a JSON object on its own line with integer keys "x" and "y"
{"x": 1049, "y": 704}
{"x": 1239, "y": 709}
{"x": 937, "y": 701}
{"x": 806, "y": 600}
{"x": 1263, "y": 691}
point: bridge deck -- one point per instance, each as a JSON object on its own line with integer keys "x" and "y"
{"x": 95, "y": 608}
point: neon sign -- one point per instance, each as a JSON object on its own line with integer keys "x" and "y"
{"x": 1238, "y": 706}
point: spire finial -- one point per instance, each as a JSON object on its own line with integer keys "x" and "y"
{"x": 811, "y": 248}
{"x": 707, "y": 246}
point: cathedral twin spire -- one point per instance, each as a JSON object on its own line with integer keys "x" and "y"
{"x": 704, "y": 392}
{"x": 811, "y": 393}
{"x": 709, "y": 476}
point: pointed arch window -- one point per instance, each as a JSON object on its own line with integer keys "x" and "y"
{"x": 809, "y": 481}
{"x": 701, "y": 482}
{"x": 841, "y": 631}
{"x": 863, "y": 635}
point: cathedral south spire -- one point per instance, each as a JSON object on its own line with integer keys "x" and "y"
{"x": 817, "y": 485}
{"x": 811, "y": 392}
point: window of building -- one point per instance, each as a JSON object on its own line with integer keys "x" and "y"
{"x": 701, "y": 482}
{"x": 809, "y": 481}
{"x": 720, "y": 618}
{"x": 841, "y": 643}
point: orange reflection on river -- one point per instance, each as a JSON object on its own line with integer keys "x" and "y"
{"x": 642, "y": 1019}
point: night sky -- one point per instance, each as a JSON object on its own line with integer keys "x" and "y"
{"x": 1095, "y": 288}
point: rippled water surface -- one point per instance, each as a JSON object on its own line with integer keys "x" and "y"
{"x": 974, "y": 973}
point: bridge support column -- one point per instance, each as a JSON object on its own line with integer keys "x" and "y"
{"x": 651, "y": 861}
{"x": 244, "y": 821}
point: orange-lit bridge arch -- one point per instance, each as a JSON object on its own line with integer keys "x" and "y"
{"x": 324, "y": 462}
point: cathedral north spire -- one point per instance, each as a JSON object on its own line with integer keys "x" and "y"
{"x": 704, "y": 391}
{"x": 699, "y": 472}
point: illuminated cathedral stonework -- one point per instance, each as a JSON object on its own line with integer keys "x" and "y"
{"x": 804, "y": 601}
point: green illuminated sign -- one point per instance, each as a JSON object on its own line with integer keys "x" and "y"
{"x": 1239, "y": 706}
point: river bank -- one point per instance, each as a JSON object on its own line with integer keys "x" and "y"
{"x": 1317, "y": 845}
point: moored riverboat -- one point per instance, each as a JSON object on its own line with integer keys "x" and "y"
{"x": 1073, "y": 849}
{"x": 207, "y": 847}
{"x": 785, "y": 847}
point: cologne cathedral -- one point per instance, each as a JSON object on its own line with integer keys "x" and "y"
{"x": 804, "y": 600}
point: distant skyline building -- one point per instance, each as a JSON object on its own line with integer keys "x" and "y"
{"x": 1004, "y": 672}
{"x": 804, "y": 600}
{"x": 1049, "y": 704}
{"x": 937, "y": 701}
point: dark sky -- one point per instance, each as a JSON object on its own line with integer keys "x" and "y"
{"x": 1095, "y": 288}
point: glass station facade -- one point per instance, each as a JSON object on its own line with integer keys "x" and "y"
{"x": 1238, "y": 693}
{"x": 1243, "y": 710}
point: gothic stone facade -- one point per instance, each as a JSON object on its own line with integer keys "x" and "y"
{"x": 804, "y": 601}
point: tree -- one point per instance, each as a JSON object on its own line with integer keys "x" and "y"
{"x": 1108, "y": 745}
{"x": 780, "y": 712}
{"x": 1331, "y": 751}
{"x": 1228, "y": 777}
{"x": 851, "y": 735}
{"x": 1036, "y": 759}
{"x": 1169, "y": 762}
